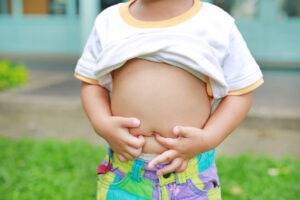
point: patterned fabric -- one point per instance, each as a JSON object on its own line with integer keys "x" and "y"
{"x": 132, "y": 180}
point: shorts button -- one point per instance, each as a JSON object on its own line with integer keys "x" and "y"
{"x": 167, "y": 175}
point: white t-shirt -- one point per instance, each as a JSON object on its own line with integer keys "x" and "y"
{"x": 204, "y": 41}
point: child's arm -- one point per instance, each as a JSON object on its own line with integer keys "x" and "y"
{"x": 114, "y": 129}
{"x": 229, "y": 114}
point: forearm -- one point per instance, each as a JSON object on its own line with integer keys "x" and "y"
{"x": 96, "y": 104}
{"x": 231, "y": 111}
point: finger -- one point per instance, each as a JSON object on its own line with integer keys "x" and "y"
{"x": 134, "y": 152}
{"x": 127, "y": 156}
{"x": 128, "y": 122}
{"x": 182, "y": 167}
{"x": 136, "y": 142}
{"x": 165, "y": 157}
{"x": 170, "y": 168}
{"x": 169, "y": 143}
{"x": 121, "y": 158}
{"x": 184, "y": 131}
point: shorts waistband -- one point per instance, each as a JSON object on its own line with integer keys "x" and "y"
{"x": 138, "y": 169}
{"x": 147, "y": 157}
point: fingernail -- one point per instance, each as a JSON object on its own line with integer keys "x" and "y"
{"x": 136, "y": 121}
{"x": 176, "y": 129}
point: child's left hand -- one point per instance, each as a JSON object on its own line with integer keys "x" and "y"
{"x": 189, "y": 142}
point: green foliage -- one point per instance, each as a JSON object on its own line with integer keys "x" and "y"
{"x": 50, "y": 169}
{"x": 12, "y": 74}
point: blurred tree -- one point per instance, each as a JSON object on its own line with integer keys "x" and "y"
{"x": 225, "y": 4}
{"x": 107, "y": 3}
{"x": 292, "y": 8}
{"x": 238, "y": 9}
{"x": 57, "y": 6}
{"x": 5, "y": 6}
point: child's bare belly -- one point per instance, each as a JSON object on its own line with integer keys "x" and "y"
{"x": 161, "y": 96}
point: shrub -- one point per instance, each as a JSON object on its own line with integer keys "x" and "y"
{"x": 12, "y": 74}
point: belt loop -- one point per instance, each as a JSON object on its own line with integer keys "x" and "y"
{"x": 110, "y": 152}
{"x": 110, "y": 155}
{"x": 136, "y": 171}
{"x": 190, "y": 171}
{"x": 164, "y": 193}
{"x": 181, "y": 178}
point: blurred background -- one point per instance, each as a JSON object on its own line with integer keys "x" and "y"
{"x": 47, "y": 36}
{"x": 41, "y": 41}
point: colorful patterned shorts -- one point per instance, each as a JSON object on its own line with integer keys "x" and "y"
{"x": 133, "y": 181}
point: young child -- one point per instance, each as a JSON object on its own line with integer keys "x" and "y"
{"x": 164, "y": 82}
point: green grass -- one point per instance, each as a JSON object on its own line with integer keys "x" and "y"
{"x": 12, "y": 74}
{"x": 259, "y": 178}
{"x": 49, "y": 169}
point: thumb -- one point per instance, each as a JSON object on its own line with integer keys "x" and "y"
{"x": 129, "y": 122}
{"x": 183, "y": 131}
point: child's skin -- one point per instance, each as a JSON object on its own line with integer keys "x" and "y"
{"x": 116, "y": 129}
{"x": 229, "y": 114}
{"x": 156, "y": 10}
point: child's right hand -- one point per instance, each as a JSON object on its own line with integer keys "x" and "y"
{"x": 116, "y": 133}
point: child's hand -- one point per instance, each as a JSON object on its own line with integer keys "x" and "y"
{"x": 176, "y": 163}
{"x": 120, "y": 140}
{"x": 189, "y": 142}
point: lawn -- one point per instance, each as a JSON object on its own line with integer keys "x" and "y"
{"x": 50, "y": 169}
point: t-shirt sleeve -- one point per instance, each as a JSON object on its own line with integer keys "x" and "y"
{"x": 86, "y": 67}
{"x": 242, "y": 73}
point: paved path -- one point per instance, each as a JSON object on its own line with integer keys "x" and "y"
{"x": 49, "y": 106}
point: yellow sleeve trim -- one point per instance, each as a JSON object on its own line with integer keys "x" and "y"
{"x": 247, "y": 89}
{"x": 85, "y": 79}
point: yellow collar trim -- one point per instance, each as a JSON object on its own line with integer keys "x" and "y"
{"x": 128, "y": 18}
